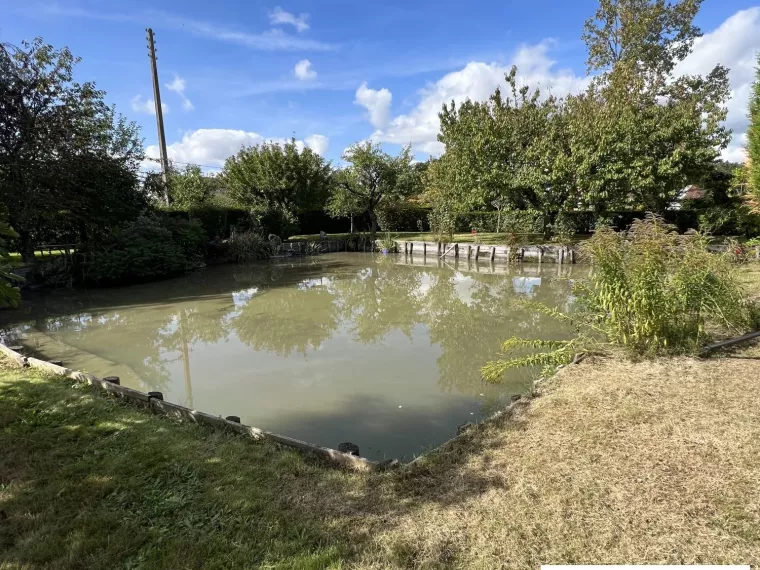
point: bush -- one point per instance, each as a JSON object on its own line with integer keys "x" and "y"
{"x": 141, "y": 250}
{"x": 655, "y": 291}
{"x": 189, "y": 235}
{"x": 512, "y": 221}
{"x": 403, "y": 217}
{"x": 652, "y": 291}
{"x": 250, "y": 246}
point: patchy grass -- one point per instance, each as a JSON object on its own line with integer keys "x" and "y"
{"x": 613, "y": 462}
{"x": 484, "y": 238}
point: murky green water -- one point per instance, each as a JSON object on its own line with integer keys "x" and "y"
{"x": 343, "y": 347}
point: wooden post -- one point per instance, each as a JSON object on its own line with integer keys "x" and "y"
{"x": 493, "y": 253}
{"x": 757, "y": 252}
{"x": 156, "y": 395}
{"x": 509, "y": 254}
{"x": 424, "y": 249}
{"x": 561, "y": 255}
{"x": 477, "y": 251}
{"x": 113, "y": 380}
{"x": 522, "y": 254}
{"x": 540, "y": 254}
{"x": 235, "y": 419}
{"x": 439, "y": 249}
{"x": 456, "y": 250}
{"x": 571, "y": 252}
{"x": 411, "y": 246}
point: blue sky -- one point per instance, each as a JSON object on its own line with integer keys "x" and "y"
{"x": 332, "y": 73}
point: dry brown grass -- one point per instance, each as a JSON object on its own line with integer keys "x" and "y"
{"x": 615, "y": 462}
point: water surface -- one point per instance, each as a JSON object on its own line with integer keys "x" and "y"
{"x": 380, "y": 351}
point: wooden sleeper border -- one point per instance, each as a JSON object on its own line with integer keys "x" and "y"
{"x": 158, "y": 405}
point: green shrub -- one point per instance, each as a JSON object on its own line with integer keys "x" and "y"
{"x": 189, "y": 235}
{"x": 656, "y": 291}
{"x": 141, "y": 250}
{"x": 442, "y": 223}
{"x": 249, "y": 246}
{"x": 651, "y": 291}
{"x": 403, "y": 217}
{"x": 9, "y": 295}
{"x": 388, "y": 243}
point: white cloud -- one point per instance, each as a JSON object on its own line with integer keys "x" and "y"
{"x": 304, "y": 71}
{"x": 377, "y": 102}
{"x": 733, "y": 44}
{"x": 280, "y": 16}
{"x": 140, "y": 105}
{"x": 271, "y": 40}
{"x": 178, "y": 86}
{"x": 476, "y": 81}
{"x": 211, "y": 147}
{"x": 318, "y": 143}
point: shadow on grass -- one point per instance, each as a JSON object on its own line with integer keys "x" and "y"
{"x": 91, "y": 482}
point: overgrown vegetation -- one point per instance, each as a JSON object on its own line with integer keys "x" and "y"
{"x": 249, "y": 246}
{"x": 651, "y": 291}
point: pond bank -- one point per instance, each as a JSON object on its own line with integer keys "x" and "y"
{"x": 652, "y": 462}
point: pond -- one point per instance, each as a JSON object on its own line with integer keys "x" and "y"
{"x": 384, "y": 352}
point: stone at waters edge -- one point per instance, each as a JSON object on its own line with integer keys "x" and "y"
{"x": 348, "y": 447}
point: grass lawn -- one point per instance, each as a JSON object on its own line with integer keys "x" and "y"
{"x": 613, "y": 462}
{"x": 485, "y": 238}
{"x": 16, "y": 261}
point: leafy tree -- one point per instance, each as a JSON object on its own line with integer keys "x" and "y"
{"x": 511, "y": 150}
{"x": 66, "y": 159}
{"x": 372, "y": 178}
{"x": 639, "y": 134}
{"x": 753, "y": 136}
{"x": 279, "y": 179}
{"x": 9, "y": 295}
{"x": 188, "y": 187}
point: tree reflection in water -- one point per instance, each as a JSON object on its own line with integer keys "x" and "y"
{"x": 290, "y": 309}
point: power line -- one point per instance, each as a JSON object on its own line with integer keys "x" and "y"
{"x": 187, "y": 163}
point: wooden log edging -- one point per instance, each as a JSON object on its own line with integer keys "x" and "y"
{"x": 158, "y": 405}
{"x": 544, "y": 253}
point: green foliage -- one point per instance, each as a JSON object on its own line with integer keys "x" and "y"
{"x": 651, "y": 35}
{"x": 655, "y": 291}
{"x": 140, "y": 250}
{"x": 9, "y": 295}
{"x": 402, "y": 217}
{"x": 388, "y": 242}
{"x": 555, "y": 353}
{"x": 753, "y": 135}
{"x": 510, "y": 150}
{"x": 372, "y": 179}
{"x": 189, "y": 235}
{"x": 66, "y": 159}
{"x": 651, "y": 290}
{"x": 278, "y": 179}
{"x": 250, "y": 246}
{"x": 442, "y": 223}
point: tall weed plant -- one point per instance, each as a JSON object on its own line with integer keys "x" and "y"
{"x": 655, "y": 291}
{"x": 651, "y": 291}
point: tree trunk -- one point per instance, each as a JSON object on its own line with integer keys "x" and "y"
{"x": 27, "y": 247}
{"x": 373, "y": 224}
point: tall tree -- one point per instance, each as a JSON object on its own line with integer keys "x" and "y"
{"x": 511, "y": 150}
{"x": 278, "y": 178}
{"x": 753, "y": 136}
{"x": 640, "y": 133}
{"x": 66, "y": 158}
{"x": 373, "y": 178}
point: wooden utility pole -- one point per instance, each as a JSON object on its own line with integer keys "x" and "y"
{"x": 159, "y": 114}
